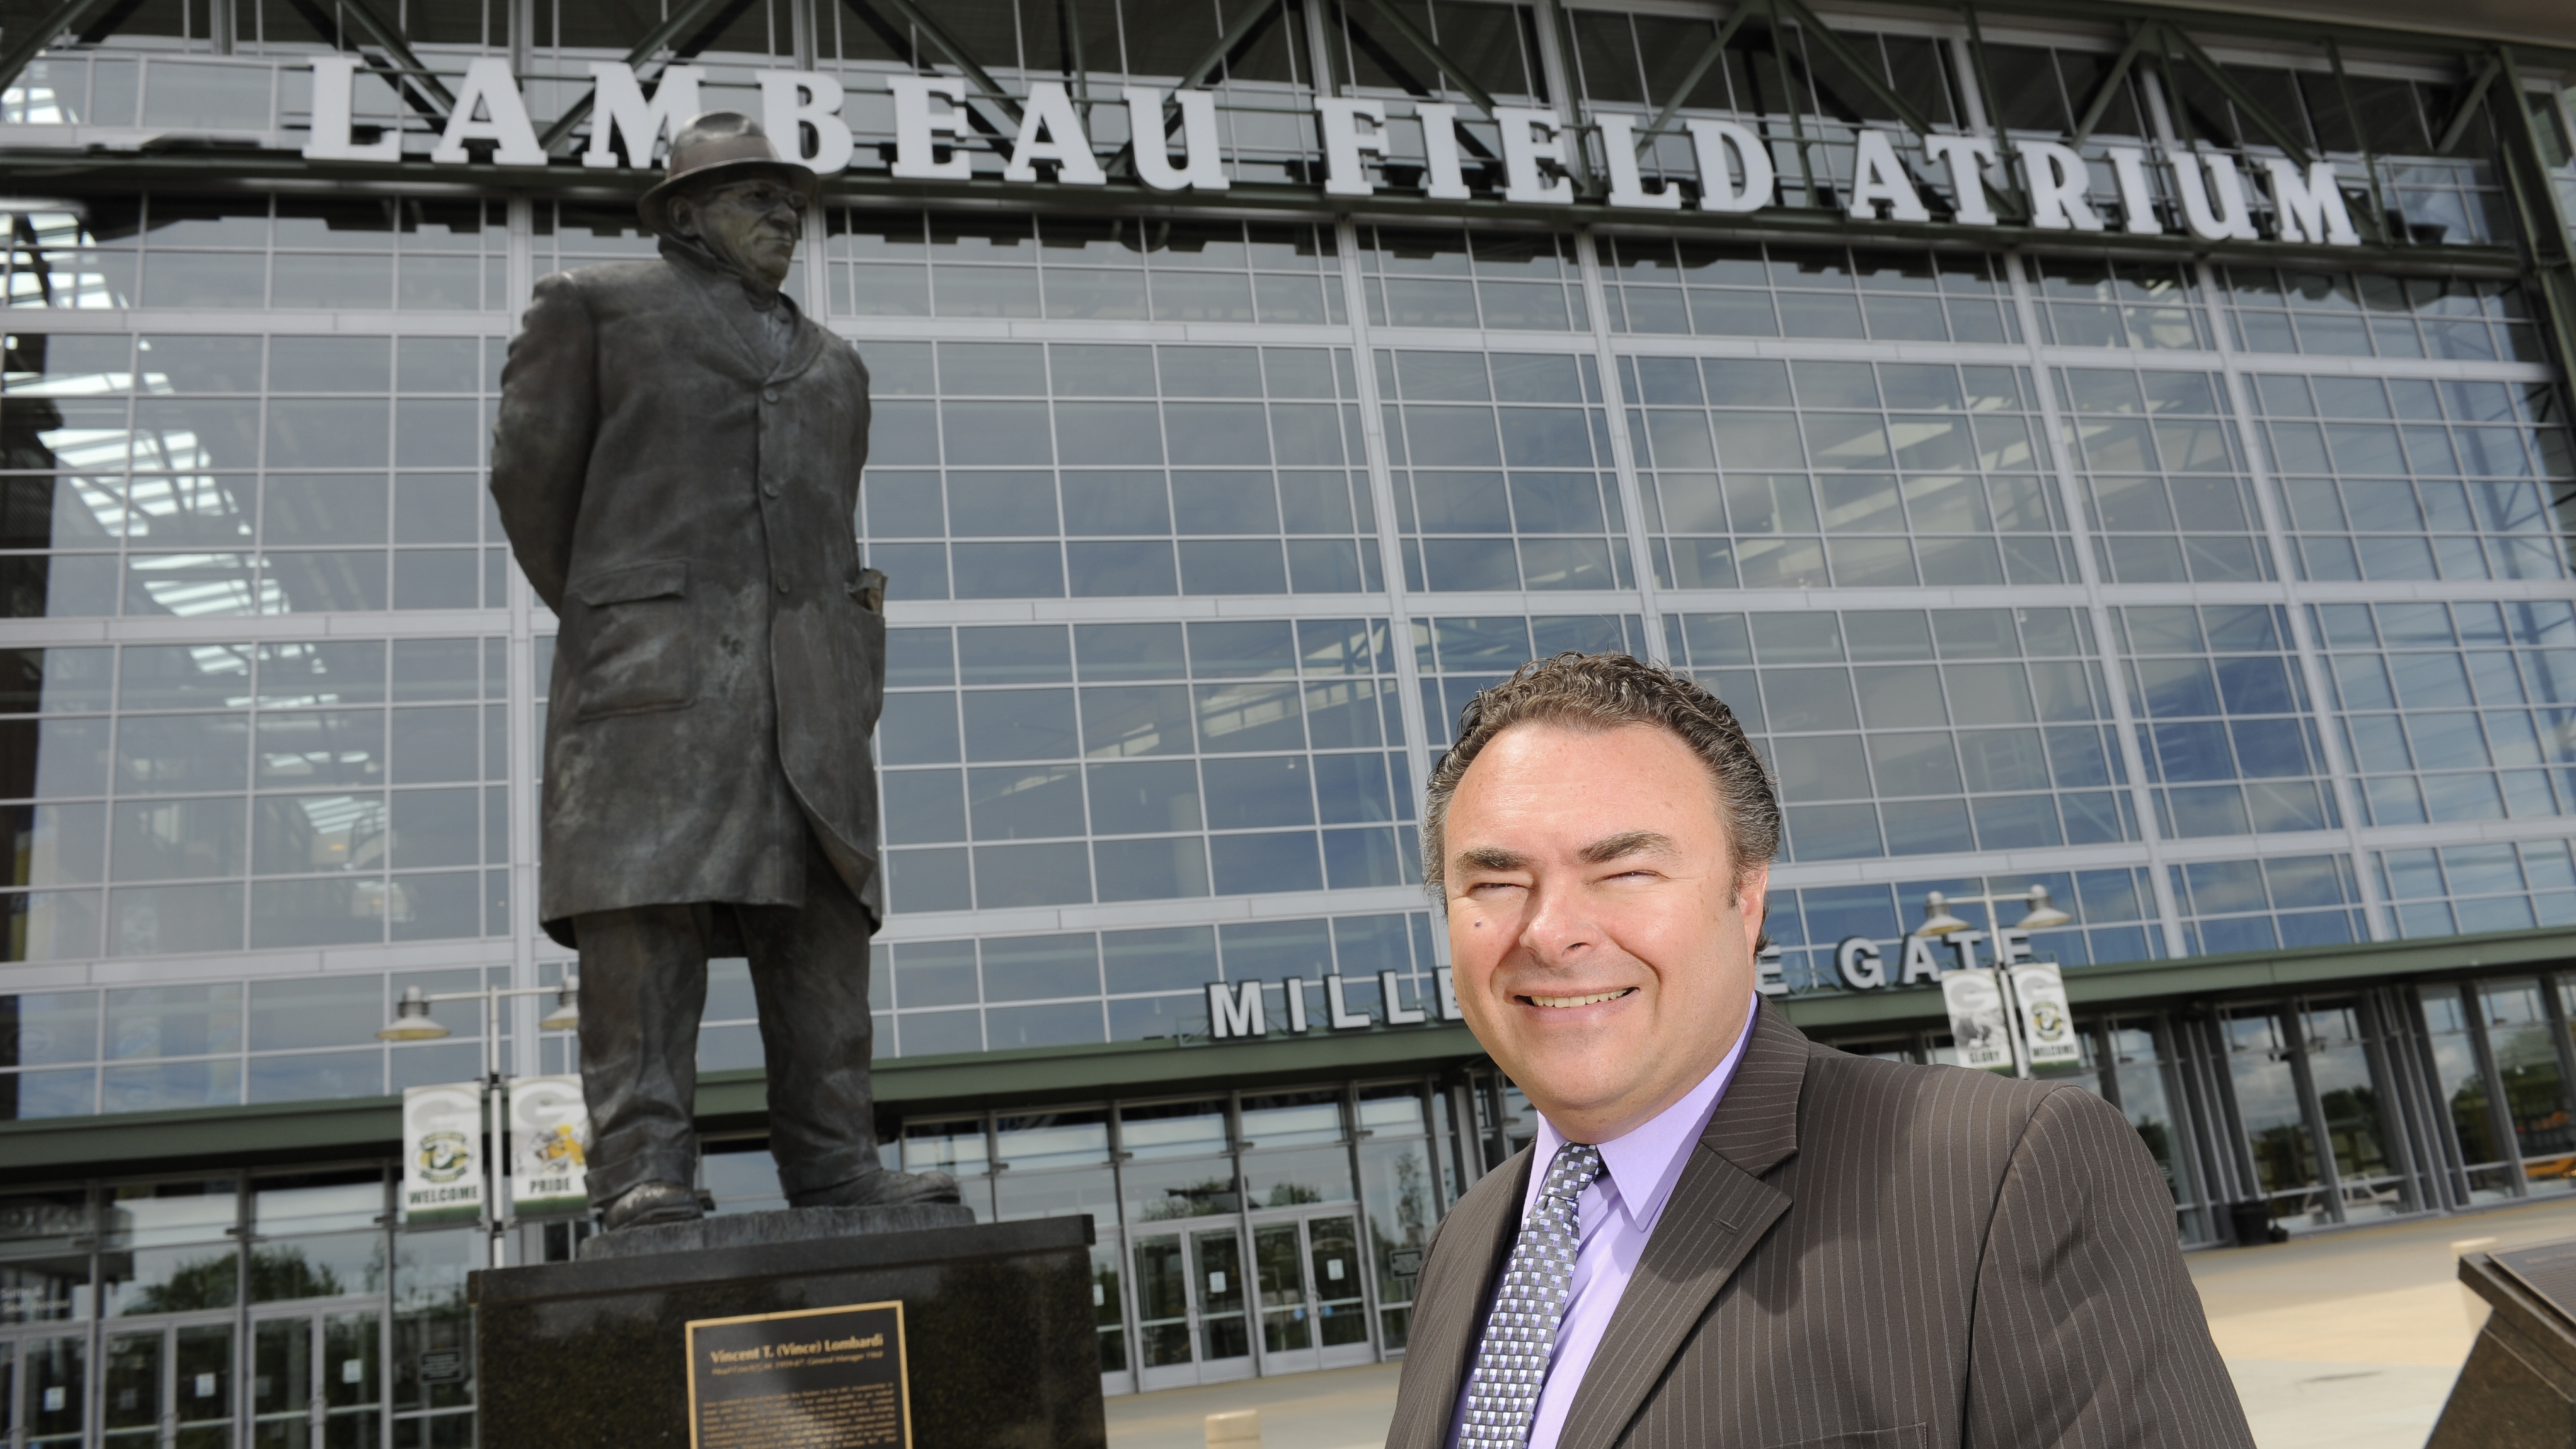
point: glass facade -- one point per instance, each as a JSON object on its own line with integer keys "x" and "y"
{"x": 2226, "y": 596}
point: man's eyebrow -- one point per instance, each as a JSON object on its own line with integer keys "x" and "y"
{"x": 1631, "y": 842}
{"x": 1491, "y": 857}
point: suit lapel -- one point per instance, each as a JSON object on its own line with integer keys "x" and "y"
{"x": 702, "y": 281}
{"x": 1449, "y": 1311}
{"x": 720, "y": 295}
{"x": 804, "y": 346}
{"x": 1719, "y": 1209}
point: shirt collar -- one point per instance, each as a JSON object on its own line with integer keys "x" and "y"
{"x": 1641, "y": 1166}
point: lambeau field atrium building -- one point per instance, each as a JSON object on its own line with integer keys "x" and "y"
{"x": 2117, "y": 450}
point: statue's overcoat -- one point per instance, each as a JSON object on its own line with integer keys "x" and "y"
{"x": 685, "y": 507}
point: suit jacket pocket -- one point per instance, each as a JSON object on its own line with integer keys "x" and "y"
{"x": 636, "y": 655}
{"x": 869, "y": 590}
{"x": 1909, "y": 1437}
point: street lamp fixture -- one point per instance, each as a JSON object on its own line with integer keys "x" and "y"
{"x": 2043, "y": 916}
{"x": 412, "y": 1021}
{"x": 567, "y": 1013}
{"x": 1937, "y": 920}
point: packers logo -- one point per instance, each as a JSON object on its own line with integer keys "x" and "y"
{"x": 445, "y": 1156}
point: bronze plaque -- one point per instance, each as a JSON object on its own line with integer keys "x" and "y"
{"x": 818, "y": 1378}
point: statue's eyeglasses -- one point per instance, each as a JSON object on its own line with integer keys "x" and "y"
{"x": 763, "y": 196}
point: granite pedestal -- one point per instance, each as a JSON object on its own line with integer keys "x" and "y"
{"x": 999, "y": 1332}
{"x": 2518, "y": 1388}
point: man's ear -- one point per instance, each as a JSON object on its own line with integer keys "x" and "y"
{"x": 683, "y": 212}
{"x": 1752, "y": 898}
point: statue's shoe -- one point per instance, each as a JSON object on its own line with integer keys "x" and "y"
{"x": 653, "y": 1202}
{"x": 883, "y": 1188}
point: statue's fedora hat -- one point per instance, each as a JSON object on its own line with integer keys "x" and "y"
{"x": 720, "y": 146}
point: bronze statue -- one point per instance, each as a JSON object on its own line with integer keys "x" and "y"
{"x": 677, "y": 464}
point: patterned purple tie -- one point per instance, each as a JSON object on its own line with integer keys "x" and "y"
{"x": 1520, "y": 1334}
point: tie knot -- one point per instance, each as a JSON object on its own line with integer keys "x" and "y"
{"x": 1573, "y": 1169}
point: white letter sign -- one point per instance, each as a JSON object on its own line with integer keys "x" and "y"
{"x": 1344, "y": 141}
{"x": 334, "y": 82}
{"x": 1711, "y": 141}
{"x": 617, "y": 105}
{"x": 1619, "y": 144}
{"x": 1442, "y": 180}
{"x": 1235, "y": 1013}
{"x": 1204, "y": 170}
{"x": 489, "y": 85}
{"x": 1523, "y": 148}
{"x": 1965, "y": 156}
{"x": 1857, "y": 959}
{"x": 2215, "y": 210}
{"x": 2309, "y": 208}
{"x": 1050, "y": 131}
{"x": 2058, "y": 178}
{"x": 1878, "y": 176}
{"x": 917, "y": 128}
{"x": 793, "y": 100}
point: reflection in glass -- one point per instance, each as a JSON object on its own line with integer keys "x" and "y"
{"x": 57, "y": 1380}
{"x": 44, "y": 1258}
{"x": 1055, "y": 1194}
{"x": 2276, "y": 1128}
{"x": 2535, "y": 1091}
{"x": 1292, "y": 1119}
{"x": 1054, "y": 1139}
{"x": 2348, "y": 1098}
{"x": 350, "y": 1378}
{"x": 1216, "y": 1263}
{"x": 1341, "y": 1312}
{"x": 1108, "y": 1307}
{"x": 202, "y": 1387}
{"x": 1397, "y": 1195}
{"x": 130, "y": 1390}
{"x": 2461, "y": 1080}
{"x": 281, "y": 1380}
{"x": 1162, "y": 1302}
{"x": 1304, "y": 1175}
{"x": 2148, "y": 1099}
{"x": 1276, "y": 1258}
{"x": 1160, "y": 1191}
{"x": 1172, "y": 1129}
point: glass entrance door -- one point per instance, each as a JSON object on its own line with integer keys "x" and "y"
{"x": 52, "y": 1398}
{"x": 315, "y": 1381}
{"x": 170, "y": 1386}
{"x": 2345, "y": 1074}
{"x": 2309, "y": 1080}
{"x": 1314, "y": 1313}
{"x": 1190, "y": 1308}
{"x": 2264, "y": 1062}
{"x": 1341, "y": 1305}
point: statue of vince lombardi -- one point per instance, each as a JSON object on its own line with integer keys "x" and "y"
{"x": 677, "y": 464}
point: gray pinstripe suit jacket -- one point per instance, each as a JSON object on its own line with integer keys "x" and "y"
{"x": 1869, "y": 1255}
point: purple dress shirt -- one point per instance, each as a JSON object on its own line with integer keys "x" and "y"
{"x": 1615, "y": 1215}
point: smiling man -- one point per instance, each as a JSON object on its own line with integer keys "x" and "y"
{"x": 1727, "y": 1235}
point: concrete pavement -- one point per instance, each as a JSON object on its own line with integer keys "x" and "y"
{"x": 1336, "y": 1409}
{"x": 2353, "y": 1339}
{"x": 2349, "y": 1340}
